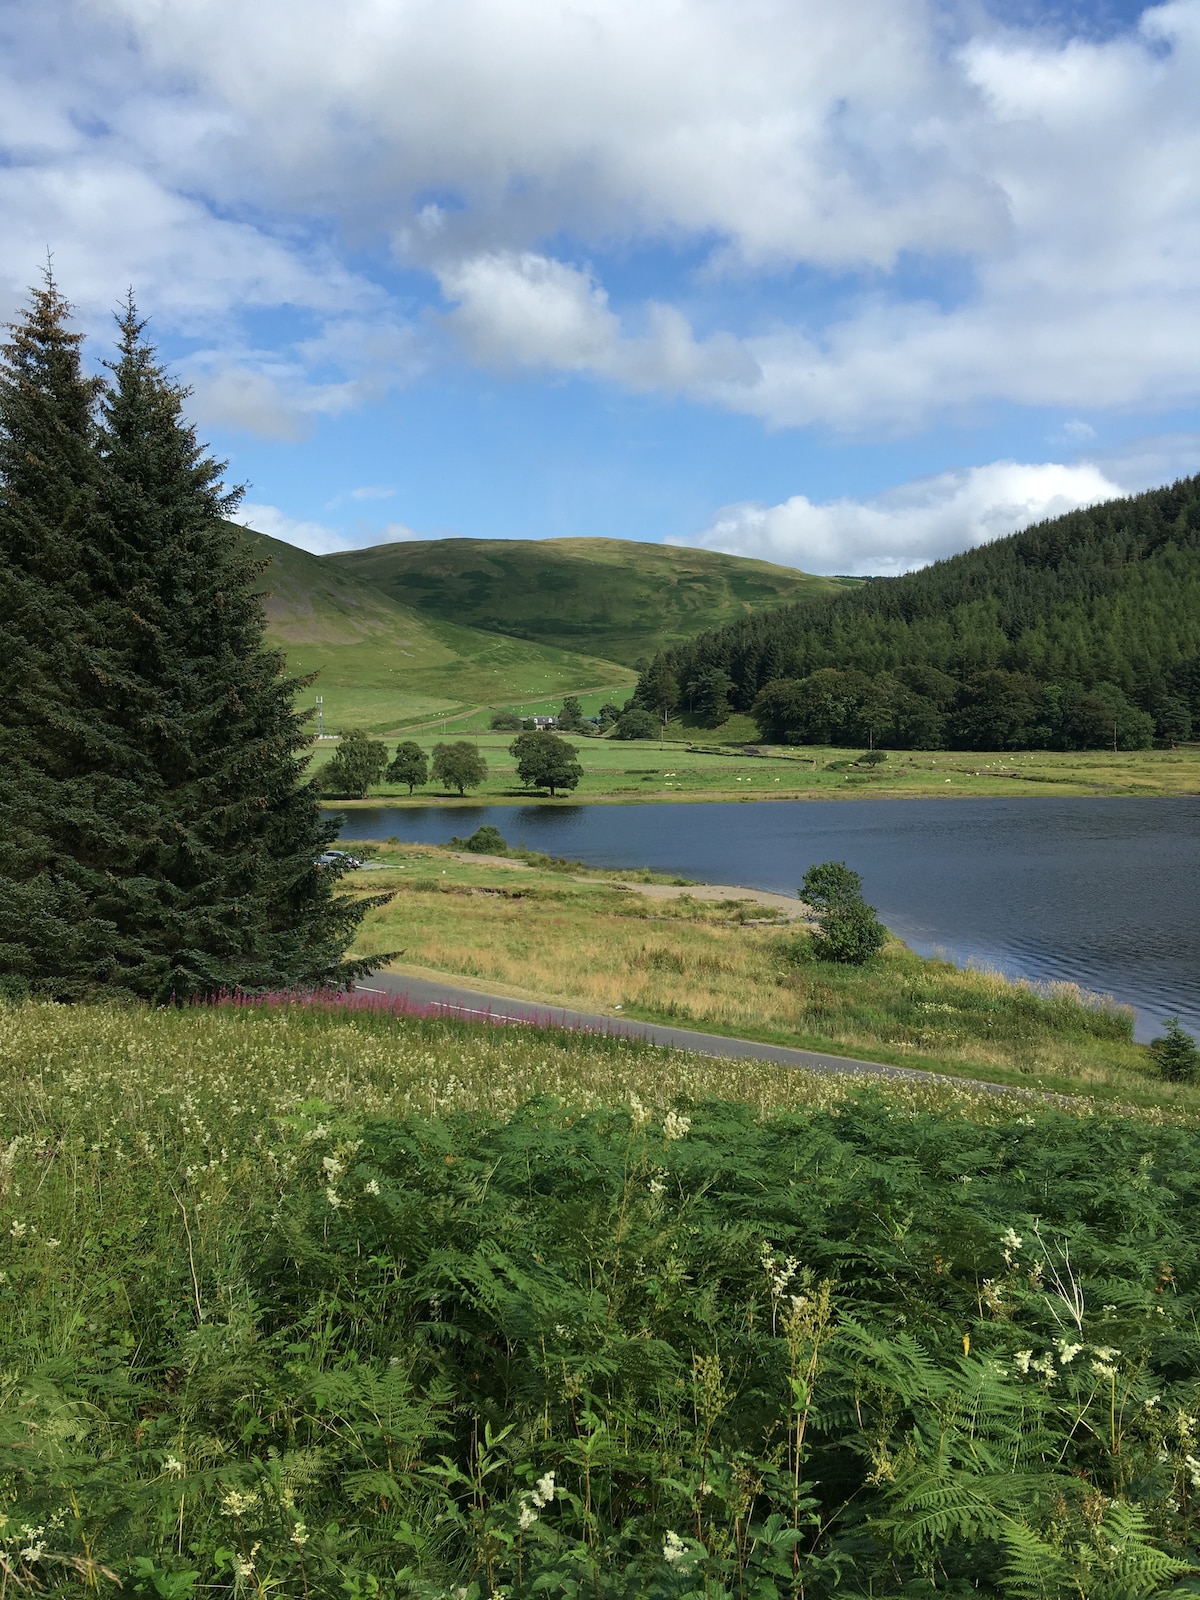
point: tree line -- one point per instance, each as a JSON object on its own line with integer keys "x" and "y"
{"x": 544, "y": 761}
{"x": 158, "y": 833}
{"x": 1074, "y": 634}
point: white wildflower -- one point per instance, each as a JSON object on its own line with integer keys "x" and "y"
{"x": 1193, "y": 1469}
{"x": 676, "y": 1126}
{"x": 1104, "y": 1352}
{"x": 333, "y": 1167}
{"x": 1104, "y": 1369}
{"x": 674, "y": 1549}
{"x": 34, "y": 1552}
{"x": 243, "y": 1570}
{"x": 1023, "y": 1359}
{"x": 174, "y": 1466}
{"x": 638, "y": 1114}
{"x": 333, "y": 1197}
{"x": 527, "y": 1517}
{"x": 543, "y": 1490}
{"x": 656, "y": 1187}
{"x": 372, "y": 1187}
{"x": 18, "y": 1230}
{"x": 299, "y": 1536}
{"x": 1067, "y": 1351}
{"x": 1152, "y": 1401}
{"x": 1011, "y": 1240}
{"x": 235, "y": 1504}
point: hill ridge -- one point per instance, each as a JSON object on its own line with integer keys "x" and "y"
{"x": 625, "y": 598}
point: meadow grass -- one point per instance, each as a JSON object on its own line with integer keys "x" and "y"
{"x": 565, "y": 936}
{"x": 638, "y": 771}
{"x": 301, "y": 1301}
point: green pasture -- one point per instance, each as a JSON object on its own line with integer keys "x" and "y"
{"x": 638, "y": 770}
{"x": 381, "y": 665}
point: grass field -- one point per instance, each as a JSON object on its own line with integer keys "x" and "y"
{"x": 382, "y": 665}
{"x": 635, "y": 770}
{"x": 612, "y": 597}
{"x": 296, "y": 1301}
{"x": 567, "y": 936}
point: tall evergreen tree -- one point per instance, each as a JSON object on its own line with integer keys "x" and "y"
{"x": 59, "y": 808}
{"x": 173, "y": 838}
{"x": 226, "y": 892}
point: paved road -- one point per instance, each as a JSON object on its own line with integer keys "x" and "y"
{"x": 497, "y": 1008}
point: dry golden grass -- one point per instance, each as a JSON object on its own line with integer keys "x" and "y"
{"x": 545, "y": 935}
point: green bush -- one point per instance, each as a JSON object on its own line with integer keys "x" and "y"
{"x": 637, "y": 724}
{"x": 847, "y": 930}
{"x": 485, "y": 841}
{"x": 1175, "y": 1054}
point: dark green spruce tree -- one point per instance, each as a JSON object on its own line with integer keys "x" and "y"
{"x": 66, "y": 794}
{"x": 173, "y": 834}
{"x": 227, "y": 894}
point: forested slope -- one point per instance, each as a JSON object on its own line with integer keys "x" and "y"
{"x": 1074, "y": 633}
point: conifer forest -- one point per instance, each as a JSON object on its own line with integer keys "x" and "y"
{"x": 1079, "y": 633}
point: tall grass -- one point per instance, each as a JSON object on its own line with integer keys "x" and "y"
{"x": 305, "y": 1301}
{"x": 719, "y": 967}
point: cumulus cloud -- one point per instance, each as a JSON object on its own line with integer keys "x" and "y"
{"x": 276, "y": 524}
{"x": 228, "y": 158}
{"x": 908, "y": 526}
{"x": 531, "y": 310}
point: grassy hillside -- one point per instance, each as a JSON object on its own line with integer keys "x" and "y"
{"x": 616, "y": 597}
{"x": 1080, "y": 632}
{"x": 382, "y": 665}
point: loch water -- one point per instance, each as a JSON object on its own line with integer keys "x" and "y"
{"x": 1101, "y": 892}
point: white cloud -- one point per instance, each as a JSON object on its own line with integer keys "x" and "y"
{"x": 276, "y": 524}
{"x": 372, "y": 492}
{"x": 283, "y": 395}
{"x": 530, "y": 310}
{"x": 228, "y": 158}
{"x": 908, "y": 526}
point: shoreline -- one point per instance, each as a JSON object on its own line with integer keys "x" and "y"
{"x": 1063, "y": 791}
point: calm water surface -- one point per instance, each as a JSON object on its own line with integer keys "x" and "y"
{"x": 1102, "y": 892}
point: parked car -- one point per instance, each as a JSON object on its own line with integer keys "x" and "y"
{"x": 338, "y": 858}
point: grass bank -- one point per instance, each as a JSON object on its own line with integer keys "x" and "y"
{"x": 579, "y": 938}
{"x": 305, "y": 1303}
{"x": 635, "y": 772}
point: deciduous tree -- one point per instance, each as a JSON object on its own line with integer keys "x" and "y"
{"x": 544, "y": 761}
{"x": 358, "y": 762}
{"x": 410, "y": 766}
{"x": 458, "y": 766}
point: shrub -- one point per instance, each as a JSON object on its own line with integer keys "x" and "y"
{"x": 847, "y": 930}
{"x": 485, "y": 841}
{"x": 1175, "y": 1054}
{"x": 637, "y": 724}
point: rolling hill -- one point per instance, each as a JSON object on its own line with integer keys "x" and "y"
{"x": 382, "y": 664}
{"x": 618, "y": 598}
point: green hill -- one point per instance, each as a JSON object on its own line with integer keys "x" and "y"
{"x": 1079, "y": 632}
{"x": 617, "y": 597}
{"x": 382, "y": 665}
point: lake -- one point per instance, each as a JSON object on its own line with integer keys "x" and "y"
{"x": 1103, "y": 892}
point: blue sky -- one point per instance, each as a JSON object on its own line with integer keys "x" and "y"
{"x": 845, "y": 287}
